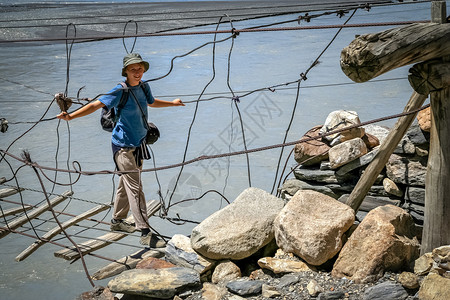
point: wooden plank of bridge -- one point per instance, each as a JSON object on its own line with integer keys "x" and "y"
{"x": 56, "y": 230}
{"x": 9, "y": 192}
{"x": 35, "y": 213}
{"x": 15, "y": 210}
{"x": 102, "y": 241}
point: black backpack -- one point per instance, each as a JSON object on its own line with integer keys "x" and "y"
{"x": 109, "y": 117}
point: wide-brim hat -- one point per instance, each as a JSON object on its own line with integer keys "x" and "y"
{"x": 133, "y": 58}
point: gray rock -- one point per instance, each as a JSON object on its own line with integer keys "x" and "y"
{"x": 417, "y": 136}
{"x": 323, "y": 176}
{"x": 161, "y": 283}
{"x": 415, "y": 195}
{"x": 371, "y": 202}
{"x": 335, "y": 295}
{"x": 293, "y": 185}
{"x": 288, "y": 280}
{"x": 240, "y": 229}
{"x": 405, "y": 146}
{"x": 385, "y": 291}
{"x": 245, "y": 287}
{"x": 406, "y": 171}
{"x": 180, "y": 253}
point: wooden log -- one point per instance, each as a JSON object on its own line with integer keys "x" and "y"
{"x": 126, "y": 263}
{"x": 429, "y": 76}
{"x": 56, "y": 230}
{"x": 102, "y": 241}
{"x": 371, "y": 55}
{"x": 2, "y": 180}
{"x": 15, "y": 210}
{"x": 6, "y": 192}
{"x": 35, "y": 213}
{"x": 386, "y": 149}
{"x": 436, "y": 227}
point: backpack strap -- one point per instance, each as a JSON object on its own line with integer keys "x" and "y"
{"x": 124, "y": 98}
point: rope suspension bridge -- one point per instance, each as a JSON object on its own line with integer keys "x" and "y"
{"x": 21, "y": 217}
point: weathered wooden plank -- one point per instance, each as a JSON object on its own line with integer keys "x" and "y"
{"x": 386, "y": 149}
{"x": 126, "y": 263}
{"x": 102, "y": 241}
{"x": 56, "y": 230}
{"x": 436, "y": 226}
{"x": 9, "y": 192}
{"x": 15, "y": 210}
{"x": 429, "y": 76}
{"x": 371, "y": 55}
{"x": 35, "y": 213}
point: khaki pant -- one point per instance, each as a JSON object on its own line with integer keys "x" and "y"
{"x": 129, "y": 193}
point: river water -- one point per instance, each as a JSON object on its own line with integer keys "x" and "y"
{"x": 31, "y": 73}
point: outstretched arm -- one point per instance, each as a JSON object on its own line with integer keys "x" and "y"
{"x": 84, "y": 111}
{"x": 162, "y": 103}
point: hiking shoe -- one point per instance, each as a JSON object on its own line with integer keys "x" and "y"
{"x": 152, "y": 241}
{"x": 121, "y": 225}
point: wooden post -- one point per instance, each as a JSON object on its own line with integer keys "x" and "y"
{"x": 386, "y": 149}
{"x": 436, "y": 229}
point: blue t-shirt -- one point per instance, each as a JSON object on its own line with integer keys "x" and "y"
{"x": 130, "y": 129}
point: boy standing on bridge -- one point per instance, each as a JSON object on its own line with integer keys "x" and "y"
{"x": 127, "y": 137}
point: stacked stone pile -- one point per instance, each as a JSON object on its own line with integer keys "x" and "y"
{"x": 260, "y": 247}
{"x": 333, "y": 165}
{"x": 308, "y": 245}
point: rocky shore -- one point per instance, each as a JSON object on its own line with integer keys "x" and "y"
{"x": 306, "y": 243}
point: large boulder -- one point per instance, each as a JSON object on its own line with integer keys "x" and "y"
{"x": 161, "y": 283}
{"x": 311, "y": 225}
{"x": 311, "y": 152}
{"x": 434, "y": 287}
{"x": 384, "y": 241}
{"x": 240, "y": 229}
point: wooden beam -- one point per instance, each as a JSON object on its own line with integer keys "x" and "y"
{"x": 386, "y": 149}
{"x": 15, "y": 210}
{"x": 6, "y": 192}
{"x": 371, "y": 55}
{"x": 438, "y": 12}
{"x": 56, "y": 230}
{"x": 429, "y": 76}
{"x": 102, "y": 241}
{"x": 436, "y": 227}
{"x": 35, "y": 213}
